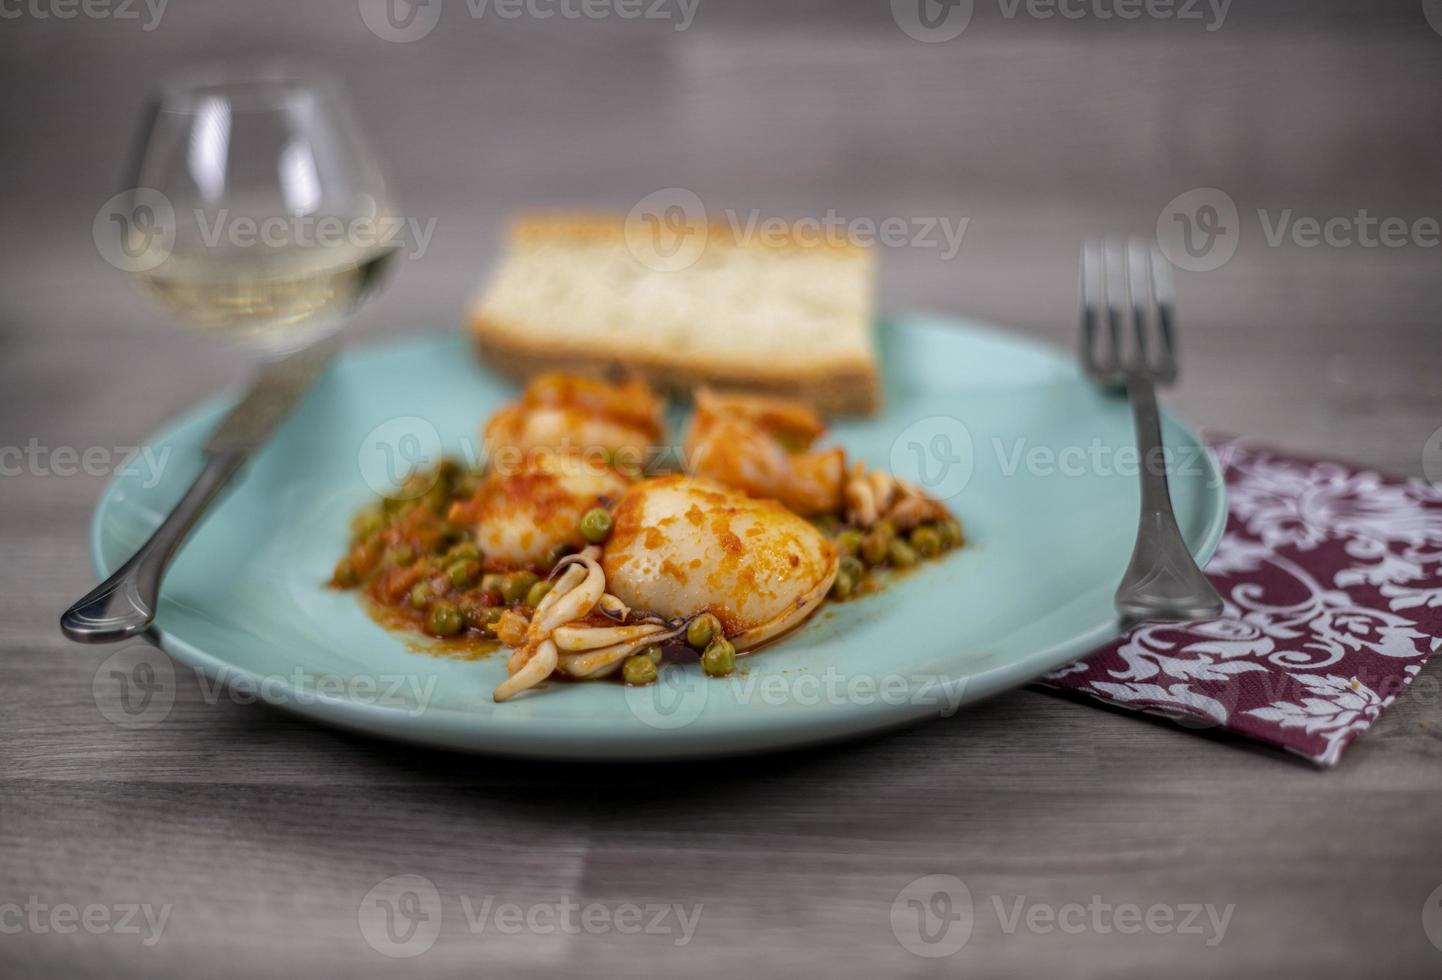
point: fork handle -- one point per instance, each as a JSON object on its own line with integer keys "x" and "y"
{"x": 124, "y": 605}
{"x": 1163, "y": 582}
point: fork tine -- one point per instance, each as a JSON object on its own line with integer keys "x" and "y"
{"x": 1118, "y": 291}
{"x": 1165, "y": 304}
{"x": 1139, "y": 290}
{"x": 1092, "y": 298}
{"x": 1126, "y": 281}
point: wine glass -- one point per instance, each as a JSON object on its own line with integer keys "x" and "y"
{"x": 255, "y": 210}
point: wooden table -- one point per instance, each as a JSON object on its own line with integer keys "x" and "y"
{"x": 263, "y": 835}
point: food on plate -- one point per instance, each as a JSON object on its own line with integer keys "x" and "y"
{"x": 586, "y": 568}
{"x": 682, "y": 546}
{"x": 576, "y": 416}
{"x": 685, "y": 302}
{"x": 765, "y": 446}
{"x": 762, "y": 445}
{"x": 680, "y": 549}
{"x": 519, "y": 516}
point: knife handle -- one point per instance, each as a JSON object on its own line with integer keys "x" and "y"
{"x": 124, "y": 605}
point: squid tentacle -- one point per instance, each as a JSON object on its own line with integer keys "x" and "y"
{"x": 574, "y": 603}
{"x": 599, "y": 662}
{"x": 535, "y": 670}
{"x": 575, "y": 594}
{"x": 574, "y": 639}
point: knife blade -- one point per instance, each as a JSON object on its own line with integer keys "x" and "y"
{"x": 124, "y": 605}
{"x": 277, "y": 389}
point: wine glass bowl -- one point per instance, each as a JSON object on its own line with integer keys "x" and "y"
{"x": 256, "y": 211}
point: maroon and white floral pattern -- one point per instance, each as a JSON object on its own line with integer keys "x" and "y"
{"x": 1332, "y": 579}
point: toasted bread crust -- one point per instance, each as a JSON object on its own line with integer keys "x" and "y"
{"x": 580, "y": 228}
{"x": 521, "y": 339}
{"x": 833, "y": 388}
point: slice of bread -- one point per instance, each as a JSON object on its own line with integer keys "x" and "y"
{"x": 762, "y": 310}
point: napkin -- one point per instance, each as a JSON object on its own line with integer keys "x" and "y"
{"x": 1332, "y": 579}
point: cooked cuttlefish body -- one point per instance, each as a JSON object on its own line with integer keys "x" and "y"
{"x": 680, "y": 546}
{"x": 576, "y": 415}
{"x": 521, "y": 516}
{"x": 762, "y": 445}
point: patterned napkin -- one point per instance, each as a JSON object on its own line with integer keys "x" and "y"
{"x": 1332, "y": 578}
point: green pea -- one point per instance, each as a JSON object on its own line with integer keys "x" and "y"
{"x": 719, "y": 658}
{"x": 463, "y": 573}
{"x": 854, "y": 567}
{"x": 596, "y": 525}
{"x": 848, "y": 542}
{"x": 491, "y": 583}
{"x": 702, "y": 630}
{"x": 538, "y": 592}
{"x": 421, "y": 595}
{"x": 368, "y": 522}
{"x": 653, "y": 652}
{"x": 515, "y": 585}
{"x": 927, "y": 541}
{"x": 951, "y": 534}
{"x": 401, "y": 554}
{"x": 473, "y": 609}
{"x": 638, "y": 670}
{"x": 492, "y": 617}
{"x": 444, "y": 620}
{"x": 827, "y": 524}
{"x": 464, "y": 551}
{"x": 843, "y": 584}
{"x": 902, "y": 555}
{"x": 792, "y": 442}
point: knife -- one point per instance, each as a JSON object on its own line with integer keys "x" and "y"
{"x": 124, "y": 605}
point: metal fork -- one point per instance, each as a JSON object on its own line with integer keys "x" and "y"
{"x": 1128, "y": 290}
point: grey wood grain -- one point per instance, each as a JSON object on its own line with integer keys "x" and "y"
{"x": 263, "y": 833}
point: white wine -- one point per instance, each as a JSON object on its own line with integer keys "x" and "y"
{"x": 273, "y": 298}
{"x": 254, "y": 212}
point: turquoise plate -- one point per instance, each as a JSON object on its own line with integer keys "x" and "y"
{"x": 1039, "y": 466}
